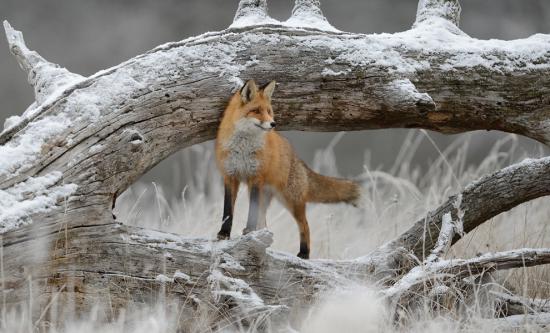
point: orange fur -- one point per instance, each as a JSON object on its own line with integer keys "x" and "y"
{"x": 278, "y": 167}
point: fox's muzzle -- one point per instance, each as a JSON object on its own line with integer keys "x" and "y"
{"x": 267, "y": 125}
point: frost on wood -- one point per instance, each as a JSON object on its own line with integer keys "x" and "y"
{"x": 34, "y": 195}
{"x": 403, "y": 94}
{"x": 446, "y": 276}
{"x": 508, "y": 304}
{"x": 444, "y": 240}
{"x": 308, "y": 14}
{"x": 45, "y": 77}
{"x": 84, "y": 141}
{"x": 433, "y": 9}
{"x": 252, "y": 12}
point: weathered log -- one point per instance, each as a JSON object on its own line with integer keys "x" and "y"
{"x": 457, "y": 269}
{"x": 115, "y": 265}
{"x": 85, "y": 140}
{"x": 511, "y": 305}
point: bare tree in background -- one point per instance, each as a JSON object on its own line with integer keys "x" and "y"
{"x": 85, "y": 140}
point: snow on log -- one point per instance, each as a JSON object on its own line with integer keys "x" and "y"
{"x": 45, "y": 77}
{"x": 251, "y": 12}
{"x": 85, "y": 140}
{"x": 440, "y": 277}
{"x": 448, "y": 10}
{"x": 444, "y": 239}
{"x": 308, "y": 14}
{"x": 510, "y": 305}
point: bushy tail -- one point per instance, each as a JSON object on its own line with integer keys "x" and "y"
{"x": 330, "y": 190}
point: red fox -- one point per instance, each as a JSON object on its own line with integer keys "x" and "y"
{"x": 249, "y": 150}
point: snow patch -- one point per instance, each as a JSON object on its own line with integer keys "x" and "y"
{"x": 250, "y": 13}
{"x": 36, "y": 108}
{"x": 35, "y": 195}
{"x": 311, "y": 22}
{"x": 171, "y": 241}
{"x": 429, "y": 10}
{"x": 308, "y": 14}
{"x": 404, "y": 91}
{"x": 305, "y": 15}
{"x": 252, "y": 20}
{"x": 163, "y": 279}
{"x": 444, "y": 239}
{"x": 19, "y": 153}
{"x": 433, "y": 37}
{"x": 229, "y": 263}
{"x": 46, "y": 132}
{"x": 181, "y": 276}
{"x": 330, "y": 72}
{"x": 237, "y": 289}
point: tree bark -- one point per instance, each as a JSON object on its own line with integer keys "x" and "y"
{"x": 85, "y": 140}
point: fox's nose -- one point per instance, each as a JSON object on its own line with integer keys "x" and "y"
{"x": 273, "y": 124}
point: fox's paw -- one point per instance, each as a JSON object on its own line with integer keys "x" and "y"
{"x": 303, "y": 255}
{"x": 222, "y": 235}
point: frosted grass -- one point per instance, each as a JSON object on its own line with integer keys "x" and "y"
{"x": 395, "y": 197}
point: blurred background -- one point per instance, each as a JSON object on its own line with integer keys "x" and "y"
{"x": 87, "y": 36}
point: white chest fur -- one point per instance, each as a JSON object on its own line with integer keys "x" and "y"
{"x": 242, "y": 146}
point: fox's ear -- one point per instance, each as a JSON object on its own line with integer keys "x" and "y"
{"x": 249, "y": 91}
{"x": 269, "y": 88}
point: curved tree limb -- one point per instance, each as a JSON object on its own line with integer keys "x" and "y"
{"x": 479, "y": 202}
{"x": 457, "y": 269}
{"x": 44, "y": 76}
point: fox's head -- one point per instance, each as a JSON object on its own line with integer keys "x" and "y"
{"x": 255, "y": 105}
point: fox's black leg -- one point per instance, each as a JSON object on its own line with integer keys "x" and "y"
{"x": 304, "y": 250}
{"x": 299, "y": 213}
{"x": 227, "y": 212}
{"x": 253, "y": 209}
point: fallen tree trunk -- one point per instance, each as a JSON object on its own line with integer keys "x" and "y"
{"x": 85, "y": 140}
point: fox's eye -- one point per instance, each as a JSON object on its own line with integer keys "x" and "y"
{"x": 257, "y": 111}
